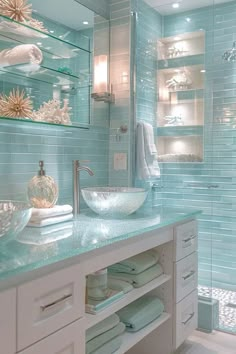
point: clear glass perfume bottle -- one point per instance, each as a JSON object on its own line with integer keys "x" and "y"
{"x": 42, "y": 190}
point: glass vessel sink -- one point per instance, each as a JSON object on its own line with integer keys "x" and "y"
{"x": 14, "y": 216}
{"x": 114, "y": 201}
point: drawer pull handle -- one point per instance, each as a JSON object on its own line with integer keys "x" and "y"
{"x": 186, "y": 240}
{"x": 189, "y": 275}
{"x": 56, "y": 302}
{"x": 189, "y": 319}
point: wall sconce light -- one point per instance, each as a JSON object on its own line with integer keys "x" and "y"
{"x": 101, "y": 92}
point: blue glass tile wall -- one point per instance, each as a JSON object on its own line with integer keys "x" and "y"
{"x": 22, "y": 145}
{"x": 148, "y": 30}
{"x": 210, "y": 186}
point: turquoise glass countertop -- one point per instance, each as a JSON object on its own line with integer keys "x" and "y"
{"x": 31, "y": 250}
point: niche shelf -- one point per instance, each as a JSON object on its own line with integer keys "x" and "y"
{"x": 180, "y": 112}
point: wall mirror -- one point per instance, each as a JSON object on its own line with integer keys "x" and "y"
{"x": 58, "y": 48}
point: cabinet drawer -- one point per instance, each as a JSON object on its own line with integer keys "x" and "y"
{"x": 186, "y": 239}
{"x": 49, "y": 303}
{"x": 186, "y": 318}
{"x": 186, "y": 276}
{"x": 69, "y": 340}
{"x": 8, "y": 321}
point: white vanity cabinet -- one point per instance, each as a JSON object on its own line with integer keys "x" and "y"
{"x": 8, "y": 322}
{"x": 48, "y": 312}
{"x": 185, "y": 281}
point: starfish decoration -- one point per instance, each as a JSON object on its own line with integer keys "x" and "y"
{"x": 17, "y": 10}
{"x": 16, "y": 105}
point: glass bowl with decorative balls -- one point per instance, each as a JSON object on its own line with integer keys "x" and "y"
{"x": 42, "y": 190}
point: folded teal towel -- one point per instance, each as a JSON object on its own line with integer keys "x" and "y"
{"x": 141, "y": 312}
{"x": 119, "y": 285}
{"x": 110, "y": 347}
{"x": 136, "y": 264}
{"x": 138, "y": 280}
{"x": 102, "y": 339}
{"x": 102, "y": 327}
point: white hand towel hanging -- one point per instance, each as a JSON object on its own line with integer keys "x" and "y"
{"x": 146, "y": 152}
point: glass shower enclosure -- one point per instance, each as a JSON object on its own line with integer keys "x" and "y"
{"x": 185, "y": 86}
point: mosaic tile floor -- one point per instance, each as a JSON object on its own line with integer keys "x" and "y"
{"x": 227, "y": 301}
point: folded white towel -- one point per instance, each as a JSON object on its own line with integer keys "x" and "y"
{"x": 146, "y": 152}
{"x": 21, "y": 54}
{"x": 57, "y": 210}
{"x": 45, "y": 235}
{"x": 50, "y": 221}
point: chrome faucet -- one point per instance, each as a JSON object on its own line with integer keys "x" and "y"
{"x": 76, "y": 184}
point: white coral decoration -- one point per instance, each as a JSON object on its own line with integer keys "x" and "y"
{"x": 182, "y": 80}
{"x": 52, "y": 112}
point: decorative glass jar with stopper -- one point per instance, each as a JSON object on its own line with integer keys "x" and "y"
{"x": 42, "y": 190}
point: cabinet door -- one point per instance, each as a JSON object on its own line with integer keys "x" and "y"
{"x": 8, "y": 322}
{"x": 47, "y": 304}
{"x": 69, "y": 340}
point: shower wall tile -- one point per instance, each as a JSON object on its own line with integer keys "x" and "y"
{"x": 149, "y": 29}
{"x": 210, "y": 186}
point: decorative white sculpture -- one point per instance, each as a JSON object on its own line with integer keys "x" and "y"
{"x": 180, "y": 81}
{"x": 176, "y": 51}
{"x": 51, "y": 112}
{"x": 173, "y": 121}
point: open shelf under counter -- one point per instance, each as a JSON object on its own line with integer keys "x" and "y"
{"x": 130, "y": 339}
{"x": 136, "y": 293}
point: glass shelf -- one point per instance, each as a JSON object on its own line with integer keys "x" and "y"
{"x": 21, "y": 33}
{"x": 31, "y": 123}
{"x": 180, "y": 130}
{"x": 181, "y": 62}
{"x": 46, "y": 75}
{"x": 178, "y": 96}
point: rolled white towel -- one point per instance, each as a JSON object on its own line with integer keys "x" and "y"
{"x": 21, "y": 54}
{"x": 44, "y": 213}
{"x": 50, "y": 221}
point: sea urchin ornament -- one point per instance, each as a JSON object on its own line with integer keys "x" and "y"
{"x": 17, "y": 10}
{"x": 38, "y": 25}
{"x": 16, "y": 105}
